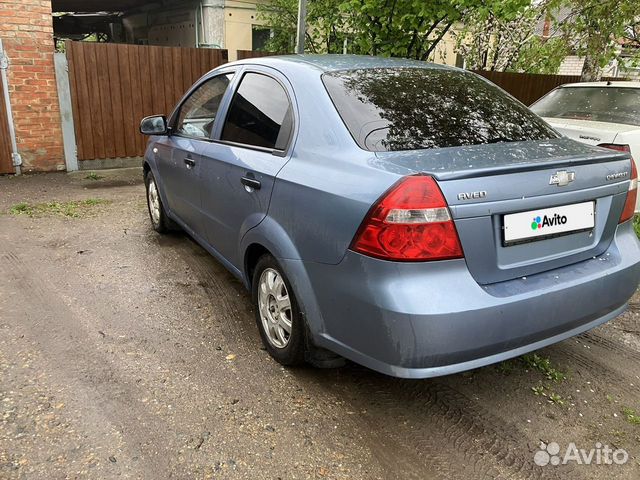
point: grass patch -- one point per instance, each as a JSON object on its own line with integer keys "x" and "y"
{"x": 545, "y": 391}
{"x": 636, "y": 225}
{"x": 630, "y": 414}
{"x": 544, "y": 366}
{"x": 72, "y": 209}
{"x": 21, "y": 209}
{"x": 507, "y": 367}
{"x": 532, "y": 361}
{"x": 94, "y": 176}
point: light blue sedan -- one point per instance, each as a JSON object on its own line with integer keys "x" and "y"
{"x": 410, "y": 217}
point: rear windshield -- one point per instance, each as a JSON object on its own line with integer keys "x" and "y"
{"x": 419, "y": 108}
{"x": 600, "y": 104}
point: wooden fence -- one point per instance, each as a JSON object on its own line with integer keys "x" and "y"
{"x": 6, "y": 162}
{"x": 114, "y": 86}
{"x": 243, "y": 54}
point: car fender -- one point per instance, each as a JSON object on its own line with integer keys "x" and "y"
{"x": 274, "y": 238}
{"x": 149, "y": 159}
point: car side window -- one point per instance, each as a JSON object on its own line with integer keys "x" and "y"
{"x": 198, "y": 112}
{"x": 260, "y": 114}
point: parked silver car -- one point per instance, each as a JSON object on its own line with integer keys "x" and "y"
{"x": 606, "y": 114}
{"x": 410, "y": 217}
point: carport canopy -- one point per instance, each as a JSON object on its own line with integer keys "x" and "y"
{"x": 92, "y": 6}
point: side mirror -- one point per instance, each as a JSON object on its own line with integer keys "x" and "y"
{"x": 154, "y": 125}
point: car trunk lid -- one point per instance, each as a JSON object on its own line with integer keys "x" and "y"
{"x": 485, "y": 183}
{"x": 590, "y": 132}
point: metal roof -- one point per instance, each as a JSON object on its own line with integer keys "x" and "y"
{"x": 90, "y": 6}
{"x": 329, "y": 63}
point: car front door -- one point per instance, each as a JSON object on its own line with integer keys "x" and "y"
{"x": 249, "y": 149}
{"x": 191, "y": 129}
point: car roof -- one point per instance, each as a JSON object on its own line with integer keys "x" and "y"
{"x": 332, "y": 63}
{"x": 624, "y": 84}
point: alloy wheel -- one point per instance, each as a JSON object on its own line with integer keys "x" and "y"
{"x": 154, "y": 202}
{"x": 274, "y": 306}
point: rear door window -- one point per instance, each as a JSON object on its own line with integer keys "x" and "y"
{"x": 260, "y": 114}
{"x": 420, "y": 108}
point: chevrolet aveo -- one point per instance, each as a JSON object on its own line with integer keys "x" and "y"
{"x": 410, "y": 217}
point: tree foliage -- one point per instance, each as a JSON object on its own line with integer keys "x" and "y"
{"x": 593, "y": 29}
{"x": 402, "y": 28}
{"x": 496, "y": 34}
{"x": 325, "y": 25}
{"x": 491, "y": 34}
{"x": 541, "y": 55}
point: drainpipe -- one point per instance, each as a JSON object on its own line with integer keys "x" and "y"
{"x": 4, "y": 65}
{"x": 210, "y": 5}
{"x": 198, "y": 23}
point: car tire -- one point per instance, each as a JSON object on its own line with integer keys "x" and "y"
{"x": 277, "y": 311}
{"x": 160, "y": 222}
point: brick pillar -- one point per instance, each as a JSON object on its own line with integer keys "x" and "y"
{"x": 26, "y": 28}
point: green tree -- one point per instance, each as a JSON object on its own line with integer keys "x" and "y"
{"x": 541, "y": 55}
{"x": 497, "y": 34}
{"x": 596, "y": 29}
{"x": 402, "y": 28}
{"x": 325, "y": 25}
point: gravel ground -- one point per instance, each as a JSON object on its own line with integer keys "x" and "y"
{"x": 124, "y": 354}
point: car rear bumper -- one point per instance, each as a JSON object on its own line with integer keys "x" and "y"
{"x": 418, "y": 320}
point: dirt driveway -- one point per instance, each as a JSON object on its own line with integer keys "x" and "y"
{"x": 124, "y": 354}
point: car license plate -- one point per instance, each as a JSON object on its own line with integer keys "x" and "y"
{"x": 547, "y": 222}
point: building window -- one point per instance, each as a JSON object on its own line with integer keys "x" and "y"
{"x": 260, "y": 36}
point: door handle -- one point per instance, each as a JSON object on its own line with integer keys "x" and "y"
{"x": 190, "y": 162}
{"x": 250, "y": 182}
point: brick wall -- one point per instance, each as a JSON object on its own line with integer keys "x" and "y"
{"x": 26, "y": 28}
{"x": 571, "y": 65}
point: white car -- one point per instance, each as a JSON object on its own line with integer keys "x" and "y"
{"x": 598, "y": 113}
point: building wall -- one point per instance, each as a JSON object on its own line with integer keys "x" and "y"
{"x": 176, "y": 31}
{"x": 26, "y": 28}
{"x": 170, "y": 27}
{"x": 445, "y": 51}
{"x": 572, "y": 65}
{"x": 239, "y": 19}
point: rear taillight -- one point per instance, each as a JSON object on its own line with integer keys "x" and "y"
{"x": 410, "y": 223}
{"x": 616, "y": 146}
{"x": 632, "y": 195}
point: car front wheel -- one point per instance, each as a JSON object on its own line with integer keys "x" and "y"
{"x": 278, "y": 316}
{"x": 159, "y": 220}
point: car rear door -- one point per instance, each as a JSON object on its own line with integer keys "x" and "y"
{"x": 249, "y": 149}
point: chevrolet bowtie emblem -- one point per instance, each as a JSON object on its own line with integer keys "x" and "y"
{"x": 562, "y": 178}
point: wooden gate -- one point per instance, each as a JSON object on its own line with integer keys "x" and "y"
{"x": 6, "y": 162}
{"x": 113, "y": 86}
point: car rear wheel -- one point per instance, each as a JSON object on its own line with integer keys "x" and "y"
{"x": 278, "y": 316}
{"x": 159, "y": 220}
